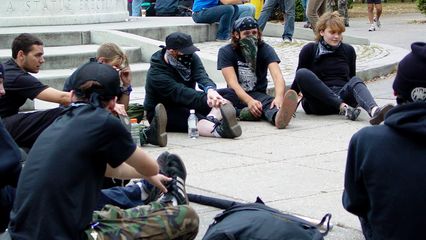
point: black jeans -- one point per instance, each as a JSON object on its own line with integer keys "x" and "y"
{"x": 177, "y": 116}
{"x": 26, "y": 127}
{"x": 266, "y": 100}
{"x": 320, "y": 99}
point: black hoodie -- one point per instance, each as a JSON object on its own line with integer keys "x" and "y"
{"x": 385, "y": 179}
{"x": 165, "y": 85}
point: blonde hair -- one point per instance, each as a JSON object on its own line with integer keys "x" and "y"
{"x": 332, "y": 20}
{"x": 111, "y": 52}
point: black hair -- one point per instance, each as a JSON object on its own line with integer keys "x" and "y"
{"x": 24, "y": 42}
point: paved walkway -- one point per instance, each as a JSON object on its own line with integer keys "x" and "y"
{"x": 299, "y": 169}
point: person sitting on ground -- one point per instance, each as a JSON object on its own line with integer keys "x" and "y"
{"x": 55, "y": 199}
{"x": 171, "y": 80}
{"x": 12, "y": 159}
{"x": 384, "y": 177}
{"x": 20, "y": 85}
{"x": 223, "y": 11}
{"x": 111, "y": 54}
{"x": 326, "y": 75}
{"x": 244, "y": 64}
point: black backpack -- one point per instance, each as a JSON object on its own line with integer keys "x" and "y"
{"x": 256, "y": 221}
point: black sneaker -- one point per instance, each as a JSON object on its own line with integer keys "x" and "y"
{"x": 228, "y": 127}
{"x": 173, "y": 167}
{"x": 156, "y": 133}
{"x": 350, "y": 112}
{"x": 379, "y": 114}
{"x": 153, "y": 192}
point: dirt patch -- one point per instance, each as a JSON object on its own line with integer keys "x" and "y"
{"x": 360, "y": 9}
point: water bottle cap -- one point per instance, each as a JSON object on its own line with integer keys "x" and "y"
{"x": 134, "y": 120}
{"x": 192, "y": 111}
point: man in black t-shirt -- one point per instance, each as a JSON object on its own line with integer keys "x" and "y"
{"x": 57, "y": 192}
{"x": 244, "y": 64}
{"x": 20, "y": 85}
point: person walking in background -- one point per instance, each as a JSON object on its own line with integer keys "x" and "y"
{"x": 129, "y": 7}
{"x": 342, "y": 7}
{"x": 136, "y": 7}
{"x": 289, "y": 12}
{"x": 223, "y": 11}
{"x": 374, "y": 20}
{"x": 385, "y": 171}
{"x": 315, "y": 9}
{"x": 326, "y": 75}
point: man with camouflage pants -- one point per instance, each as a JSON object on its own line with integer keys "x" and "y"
{"x": 62, "y": 178}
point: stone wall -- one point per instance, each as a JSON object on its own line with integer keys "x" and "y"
{"x": 61, "y": 12}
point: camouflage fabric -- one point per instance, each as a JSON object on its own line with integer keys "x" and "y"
{"x": 135, "y": 110}
{"x": 154, "y": 221}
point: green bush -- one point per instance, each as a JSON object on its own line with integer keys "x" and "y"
{"x": 277, "y": 13}
{"x": 421, "y": 4}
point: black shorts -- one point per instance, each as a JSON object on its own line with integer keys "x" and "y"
{"x": 374, "y": 1}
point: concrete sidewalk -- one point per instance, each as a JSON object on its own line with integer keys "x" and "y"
{"x": 298, "y": 170}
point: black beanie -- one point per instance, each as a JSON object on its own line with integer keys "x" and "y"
{"x": 410, "y": 80}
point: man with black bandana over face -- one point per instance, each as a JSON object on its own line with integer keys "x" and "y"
{"x": 326, "y": 75}
{"x": 174, "y": 73}
{"x": 244, "y": 64}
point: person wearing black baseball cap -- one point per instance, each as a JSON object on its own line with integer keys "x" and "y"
{"x": 171, "y": 80}
{"x": 244, "y": 64}
{"x": 59, "y": 187}
{"x": 384, "y": 178}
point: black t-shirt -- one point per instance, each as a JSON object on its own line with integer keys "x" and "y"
{"x": 19, "y": 86}
{"x": 60, "y": 183}
{"x": 228, "y": 56}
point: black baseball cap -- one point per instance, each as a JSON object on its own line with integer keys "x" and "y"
{"x": 181, "y": 42}
{"x": 105, "y": 74}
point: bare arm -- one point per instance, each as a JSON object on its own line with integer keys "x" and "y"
{"x": 279, "y": 84}
{"x": 126, "y": 80}
{"x": 124, "y": 171}
{"x": 56, "y": 96}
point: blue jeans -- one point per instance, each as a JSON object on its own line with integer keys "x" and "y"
{"x": 288, "y": 8}
{"x": 136, "y": 7}
{"x": 122, "y": 197}
{"x": 225, "y": 15}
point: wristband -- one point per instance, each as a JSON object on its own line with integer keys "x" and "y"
{"x": 206, "y": 89}
{"x": 126, "y": 90}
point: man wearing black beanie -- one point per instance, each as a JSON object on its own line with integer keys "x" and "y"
{"x": 385, "y": 180}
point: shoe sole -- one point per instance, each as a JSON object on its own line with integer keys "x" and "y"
{"x": 379, "y": 118}
{"x": 287, "y": 109}
{"x": 229, "y": 118}
{"x": 161, "y": 116}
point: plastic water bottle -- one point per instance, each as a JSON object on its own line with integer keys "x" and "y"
{"x": 192, "y": 125}
{"x": 134, "y": 130}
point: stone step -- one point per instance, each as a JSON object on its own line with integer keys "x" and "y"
{"x": 73, "y": 56}
{"x": 55, "y": 78}
{"x": 49, "y": 38}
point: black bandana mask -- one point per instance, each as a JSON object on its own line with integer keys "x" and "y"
{"x": 249, "y": 50}
{"x": 185, "y": 59}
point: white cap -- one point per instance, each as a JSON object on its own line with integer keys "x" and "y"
{"x": 192, "y": 111}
